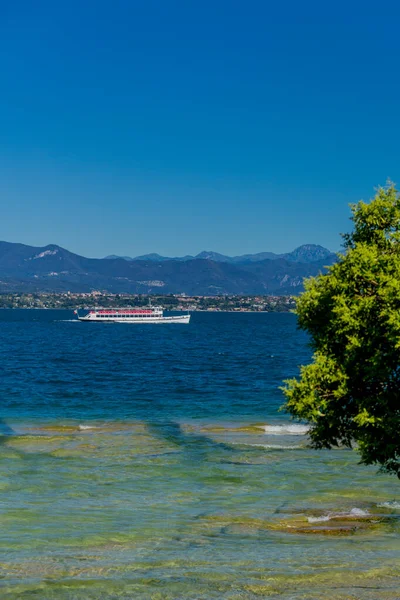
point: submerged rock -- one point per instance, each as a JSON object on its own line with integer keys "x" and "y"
{"x": 330, "y": 525}
{"x": 339, "y": 523}
{"x": 250, "y": 428}
{"x": 339, "y": 528}
{"x": 57, "y": 428}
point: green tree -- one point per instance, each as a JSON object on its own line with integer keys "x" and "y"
{"x": 350, "y": 393}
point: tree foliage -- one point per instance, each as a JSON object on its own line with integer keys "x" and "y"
{"x": 350, "y": 393}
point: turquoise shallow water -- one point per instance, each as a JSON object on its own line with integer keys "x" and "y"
{"x": 151, "y": 462}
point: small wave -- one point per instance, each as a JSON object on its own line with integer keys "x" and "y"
{"x": 390, "y": 504}
{"x": 85, "y": 427}
{"x": 358, "y": 512}
{"x": 66, "y": 321}
{"x": 268, "y": 446}
{"x": 354, "y": 512}
{"x": 319, "y": 519}
{"x": 294, "y": 429}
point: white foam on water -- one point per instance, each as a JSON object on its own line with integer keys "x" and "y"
{"x": 289, "y": 429}
{"x": 319, "y": 519}
{"x": 354, "y": 512}
{"x": 85, "y": 427}
{"x": 358, "y": 512}
{"x": 390, "y": 504}
{"x": 67, "y": 321}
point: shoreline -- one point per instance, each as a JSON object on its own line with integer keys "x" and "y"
{"x": 169, "y": 302}
{"x": 197, "y": 310}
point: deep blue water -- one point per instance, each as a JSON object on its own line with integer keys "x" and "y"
{"x": 150, "y": 462}
{"x": 220, "y": 366}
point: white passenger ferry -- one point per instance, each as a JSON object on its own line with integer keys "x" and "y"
{"x": 153, "y": 314}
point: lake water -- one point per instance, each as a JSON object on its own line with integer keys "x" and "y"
{"x": 151, "y": 462}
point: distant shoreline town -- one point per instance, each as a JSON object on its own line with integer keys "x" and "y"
{"x": 178, "y": 302}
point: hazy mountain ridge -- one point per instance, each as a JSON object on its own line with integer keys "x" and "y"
{"x": 52, "y": 268}
{"x": 305, "y": 254}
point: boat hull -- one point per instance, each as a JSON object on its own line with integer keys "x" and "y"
{"x": 185, "y": 319}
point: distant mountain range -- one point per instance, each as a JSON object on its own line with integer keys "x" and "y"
{"x": 305, "y": 254}
{"x": 52, "y": 268}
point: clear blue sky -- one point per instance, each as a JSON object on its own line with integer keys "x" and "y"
{"x": 169, "y": 126}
